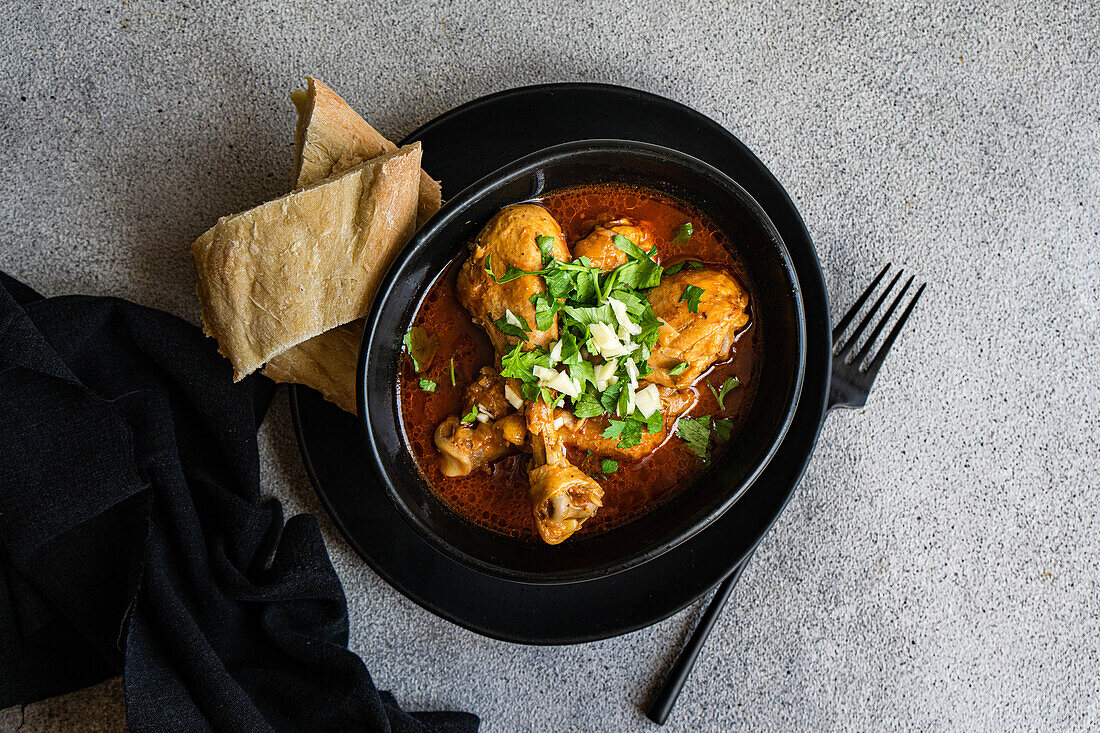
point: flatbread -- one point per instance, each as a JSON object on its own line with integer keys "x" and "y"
{"x": 290, "y": 269}
{"x": 327, "y": 363}
{"x": 330, "y": 136}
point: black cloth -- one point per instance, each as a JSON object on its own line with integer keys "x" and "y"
{"x": 134, "y": 540}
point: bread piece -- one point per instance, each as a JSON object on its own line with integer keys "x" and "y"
{"x": 327, "y": 363}
{"x": 295, "y": 267}
{"x": 331, "y": 137}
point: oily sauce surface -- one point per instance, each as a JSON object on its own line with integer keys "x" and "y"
{"x": 496, "y": 497}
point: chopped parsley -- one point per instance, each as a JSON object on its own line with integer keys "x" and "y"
{"x": 629, "y": 432}
{"x": 608, "y": 465}
{"x": 546, "y": 248}
{"x": 588, "y": 405}
{"x": 632, "y": 250}
{"x": 692, "y": 294}
{"x": 546, "y": 307}
{"x": 696, "y": 433}
{"x": 583, "y": 373}
{"x": 714, "y": 392}
{"x": 606, "y": 333}
{"x": 421, "y": 346}
{"x": 519, "y": 328}
{"x": 452, "y": 371}
{"x": 723, "y": 426}
{"x": 673, "y": 269}
{"x": 678, "y": 369}
{"x": 471, "y": 416}
{"x": 427, "y": 385}
{"x": 520, "y": 364}
{"x": 683, "y": 232}
{"x": 720, "y": 394}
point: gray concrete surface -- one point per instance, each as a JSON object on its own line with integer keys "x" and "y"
{"x": 938, "y": 568}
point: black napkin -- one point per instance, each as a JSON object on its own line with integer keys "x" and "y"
{"x": 133, "y": 538}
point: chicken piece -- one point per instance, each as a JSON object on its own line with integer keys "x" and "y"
{"x": 562, "y": 496}
{"x": 509, "y": 239}
{"x": 464, "y": 449}
{"x": 699, "y": 339}
{"x": 587, "y": 433}
{"x": 599, "y": 248}
{"x": 487, "y": 394}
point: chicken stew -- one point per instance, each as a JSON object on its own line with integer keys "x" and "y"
{"x": 582, "y": 363}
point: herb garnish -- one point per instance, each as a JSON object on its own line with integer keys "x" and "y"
{"x": 720, "y": 394}
{"x": 546, "y": 248}
{"x": 511, "y": 324}
{"x": 421, "y": 346}
{"x": 673, "y": 269}
{"x": 629, "y": 432}
{"x": 696, "y": 433}
{"x": 723, "y": 426}
{"x": 427, "y": 385}
{"x": 692, "y": 294}
{"x": 606, "y": 333}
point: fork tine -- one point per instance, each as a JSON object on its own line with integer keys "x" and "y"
{"x": 882, "y": 322}
{"x": 854, "y": 310}
{"x": 851, "y": 342}
{"x": 873, "y": 367}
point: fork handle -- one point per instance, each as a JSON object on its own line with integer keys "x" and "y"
{"x": 665, "y": 699}
{"x": 843, "y": 394}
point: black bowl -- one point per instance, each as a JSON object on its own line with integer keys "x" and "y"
{"x": 777, "y": 311}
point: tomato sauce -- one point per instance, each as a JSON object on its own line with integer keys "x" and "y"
{"x": 496, "y": 497}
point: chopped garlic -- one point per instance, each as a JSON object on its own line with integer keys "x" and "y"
{"x": 630, "y": 402}
{"x": 482, "y": 414}
{"x": 544, "y": 374}
{"x": 625, "y": 324}
{"x": 606, "y": 370}
{"x": 605, "y": 374}
{"x": 555, "y": 352}
{"x": 558, "y": 422}
{"x": 605, "y": 343}
{"x": 603, "y": 338}
{"x": 513, "y": 399}
{"x": 601, "y": 386}
{"x": 648, "y": 400}
{"x": 510, "y": 317}
{"x": 565, "y": 385}
{"x": 632, "y": 373}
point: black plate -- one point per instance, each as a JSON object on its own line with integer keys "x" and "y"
{"x": 460, "y": 147}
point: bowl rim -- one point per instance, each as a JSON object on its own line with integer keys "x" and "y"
{"x": 453, "y": 209}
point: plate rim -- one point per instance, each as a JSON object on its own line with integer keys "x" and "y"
{"x": 778, "y": 196}
{"x": 520, "y": 168}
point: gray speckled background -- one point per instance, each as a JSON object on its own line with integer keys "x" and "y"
{"x": 938, "y": 568}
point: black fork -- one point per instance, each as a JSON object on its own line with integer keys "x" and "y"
{"x": 852, "y": 378}
{"x": 854, "y": 373}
